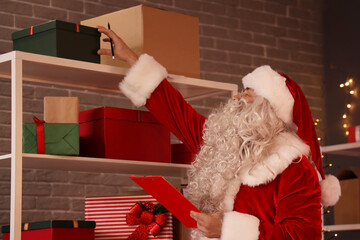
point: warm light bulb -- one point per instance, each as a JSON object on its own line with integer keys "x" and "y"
{"x": 316, "y": 124}
{"x": 318, "y": 120}
{"x": 350, "y": 80}
{"x": 330, "y": 165}
{"x": 341, "y": 85}
{"x": 328, "y": 211}
{"x": 352, "y": 92}
{"x": 345, "y": 125}
{"x": 347, "y": 84}
{"x": 322, "y": 156}
{"x": 348, "y": 106}
{"x": 347, "y": 133}
{"x": 344, "y": 116}
{"x": 319, "y": 139}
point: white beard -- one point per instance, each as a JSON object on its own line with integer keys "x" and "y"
{"x": 235, "y": 134}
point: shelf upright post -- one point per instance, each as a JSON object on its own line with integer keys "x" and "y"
{"x": 16, "y": 147}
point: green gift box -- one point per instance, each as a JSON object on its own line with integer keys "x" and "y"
{"x": 60, "y": 39}
{"x": 59, "y": 138}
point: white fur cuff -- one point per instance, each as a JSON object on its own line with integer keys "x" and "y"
{"x": 238, "y": 226}
{"x": 142, "y": 79}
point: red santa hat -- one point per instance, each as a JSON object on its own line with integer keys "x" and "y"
{"x": 291, "y": 106}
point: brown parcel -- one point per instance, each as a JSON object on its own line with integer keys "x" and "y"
{"x": 347, "y": 210}
{"x": 61, "y": 109}
{"x": 171, "y": 38}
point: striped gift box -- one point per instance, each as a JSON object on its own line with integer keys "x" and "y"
{"x": 109, "y": 213}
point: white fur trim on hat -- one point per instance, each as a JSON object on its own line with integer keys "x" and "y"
{"x": 240, "y": 226}
{"x": 142, "y": 79}
{"x": 271, "y": 85}
{"x": 330, "y": 190}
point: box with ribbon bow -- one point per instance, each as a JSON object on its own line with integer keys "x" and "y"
{"x": 130, "y": 217}
{"x": 51, "y": 138}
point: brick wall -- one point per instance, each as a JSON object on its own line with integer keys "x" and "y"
{"x": 235, "y": 37}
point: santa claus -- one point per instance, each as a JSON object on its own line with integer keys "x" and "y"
{"x": 258, "y": 168}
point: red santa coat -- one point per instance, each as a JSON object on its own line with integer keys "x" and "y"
{"x": 277, "y": 199}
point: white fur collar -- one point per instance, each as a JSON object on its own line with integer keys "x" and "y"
{"x": 286, "y": 148}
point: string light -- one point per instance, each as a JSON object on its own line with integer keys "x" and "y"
{"x": 347, "y": 84}
{"x": 347, "y": 133}
{"x": 345, "y": 125}
{"x": 344, "y": 116}
{"x": 335, "y": 235}
{"x": 348, "y": 106}
{"x": 341, "y": 85}
{"x": 352, "y": 92}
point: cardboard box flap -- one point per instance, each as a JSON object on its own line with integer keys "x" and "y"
{"x": 116, "y": 113}
{"x": 53, "y": 224}
{"x": 352, "y": 173}
{"x": 55, "y": 24}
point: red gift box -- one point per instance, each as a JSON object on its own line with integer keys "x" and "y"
{"x": 354, "y": 134}
{"x": 117, "y": 133}
{"x": 180, "y": 153}
{"x": 110, "y": 216}
{"x": 55, "y": 230}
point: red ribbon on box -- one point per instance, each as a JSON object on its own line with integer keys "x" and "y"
{"x": 40, "y": 135}
{"x": 149, "y": 217}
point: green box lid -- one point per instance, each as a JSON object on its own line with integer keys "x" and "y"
{"x": 55, "y": 24}
{"x": 53, "y": 224}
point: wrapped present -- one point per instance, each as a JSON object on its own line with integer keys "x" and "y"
{"x": 59, "y": 39}
{"x": 51, "y": 138}
{"x": 354, "y": 134}
{"x": 171, "y": 38}
{"x": 117, "y": 133}
{"x": 180, "y": 153}
{"x": 128, "y": 217}
{"x": 54, "y": 230}
{"x": 61, "y": 109}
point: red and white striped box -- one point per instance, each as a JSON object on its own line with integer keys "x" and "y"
{"x": 354, "y": 134}
{"x": 109, "y": 213}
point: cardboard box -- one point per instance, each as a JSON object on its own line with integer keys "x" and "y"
{"x": 59, "y": 138}
{"x": 61, "y": 109}
{"x": 171, "y": 38}
{"x": 354, "y": 134}
{"x": 126, "y": 134}
{"x": 347, "y": 209}
{"x": 54, "y": 230}
{"x": 59, "y": 39}
{"x": 110, "y": 215}
{"x": 180, "y": 153}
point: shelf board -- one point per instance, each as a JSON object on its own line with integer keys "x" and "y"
{"x": 96, "y": 77}
{"x": 86, "y": 164}
{"x": 344, "y": 227}
{"x": 345, "y": 149}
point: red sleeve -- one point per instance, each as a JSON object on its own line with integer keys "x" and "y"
{"x": 169, "y": 107}
{"x": 298, "y": 213}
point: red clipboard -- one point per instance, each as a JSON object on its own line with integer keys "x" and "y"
{"x": 169, "y": 197}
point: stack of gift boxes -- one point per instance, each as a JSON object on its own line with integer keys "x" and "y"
{"x": 59, "y": 133}
{"x": 107, "y": 132}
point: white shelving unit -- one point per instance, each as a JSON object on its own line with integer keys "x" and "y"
{"x": 21, "y": 66}
{"x": 345, "y": 149}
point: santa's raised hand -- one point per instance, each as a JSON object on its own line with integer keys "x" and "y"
{"x": 121, "y": 50}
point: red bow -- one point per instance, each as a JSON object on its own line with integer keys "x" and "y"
{"x": 40, "y": 135}
{"x": 149, "y": 217}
